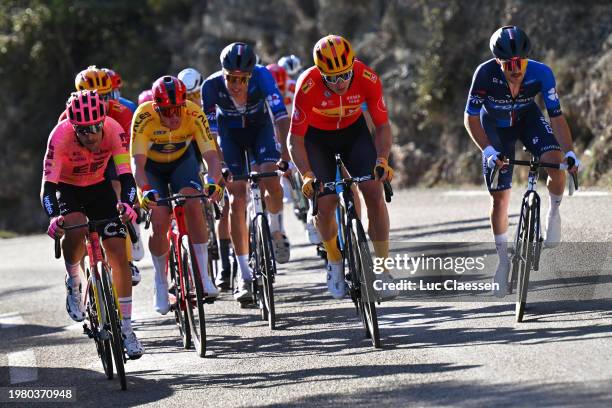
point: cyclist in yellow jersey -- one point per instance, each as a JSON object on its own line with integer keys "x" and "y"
{"x": 163, "y": 135}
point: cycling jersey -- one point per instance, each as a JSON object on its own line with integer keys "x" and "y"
{"x": 69, "y": 162}
{"x": 316, "y": 105}
{"x": 163, "y": 145}
{"x": 127, "y": 103}
{"x": 289, "y": 93}
{"x": 115, "y": 110}
{"x": 262, "y": 95}
{"x": 491, "y": 94}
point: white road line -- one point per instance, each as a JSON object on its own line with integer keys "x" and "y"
{"x": 9, "y": 320}
{"x": 22, "y": 366}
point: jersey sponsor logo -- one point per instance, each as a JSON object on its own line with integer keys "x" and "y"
{"x": 113, "y": 229}
{"x": 546, "y": 125}
{"x": 274, "y": 99}
{"x": 552, "y": 94}
{"x": 139, "y": 121}
{"x": 370, "y": 75}
{"x": 89, "y": 168}
{"x": 307, "y": 86}
{"x": 298, "y": 116}
{"x": 327, "y": 94}
{"x": 381, "y": 105}
{"x": 48, "y": 205}
{"x": 159, "y": 132}
{"x": 476, "y": 99}
{"x": 353, "y": 98}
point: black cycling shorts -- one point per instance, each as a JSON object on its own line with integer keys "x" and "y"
{"x": 355, "y": 145}
{"x": 97, "y": 202}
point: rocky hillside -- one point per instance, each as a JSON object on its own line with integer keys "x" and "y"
{"x": 425, "y": 51}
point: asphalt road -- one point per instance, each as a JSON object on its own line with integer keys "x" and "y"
{"x": 435, "y": 353}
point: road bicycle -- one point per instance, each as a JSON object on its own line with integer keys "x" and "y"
{"x": 101, "y": 300}
{"x": 354, "y": 247}
{"x": 528, "y": 239}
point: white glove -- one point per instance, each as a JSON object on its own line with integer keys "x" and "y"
{"x": 491, "y": 156}
{"x": 573, "y": 156}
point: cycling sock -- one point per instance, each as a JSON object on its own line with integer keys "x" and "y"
{"x": 276, "y": 222}
{"x": 159, "y": 264}
{"x": 125, "y": 305}
{"x": 555, "y": 202}
{"x": 74, "y": 272}
{"x": 243, "y": 265}
{"x": 126, "y": 325}
{"x": 201, "y": 254}
{"x": 501, "y": 245}
{"x": 224, "y": 253}
{"x": 333, "y": 253}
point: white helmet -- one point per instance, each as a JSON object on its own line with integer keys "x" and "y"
{"x": 291, "y": 63}
{"x": 192, "y": 79}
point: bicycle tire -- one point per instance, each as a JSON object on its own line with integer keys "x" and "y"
{"x": 529, "y": 242}
{"x": 268, "y": 270}
{"x": 180, "y": 308}
{"x": 194, "y": 296}
{"x": 365, "y": 264}
{"x": 518, "y": 255}
{"x": 103, "y": 347}
{"x": 115, "y": 326}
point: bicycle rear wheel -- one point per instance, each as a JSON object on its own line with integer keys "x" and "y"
{"x": 363, "y": 270}
{"x": 528, "y": 251}
{"x": 103, "y": 346}
{"x": 177, "y": 290}
{"x": 268, "y": 270}
{"x": 115, "y": 326}
{"x": 192, "y": 284}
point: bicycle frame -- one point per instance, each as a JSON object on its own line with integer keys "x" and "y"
{"x": 176, "y": 234}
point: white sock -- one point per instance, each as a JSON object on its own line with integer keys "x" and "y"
{"x": 555, "y": 202}
{"x": 74, "y": 271}
{"x": 125, "y": 305}
{"x": 501, "y": 245}
{"x": 201, "y": 254}
{"x": 159, "y": 264}
{"x": 275, "y": 221}
{"x": 243, "y": 265}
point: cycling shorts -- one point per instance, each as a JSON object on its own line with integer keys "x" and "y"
{"x": 258, "y": 139}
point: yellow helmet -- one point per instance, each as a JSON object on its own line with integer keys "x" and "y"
{"x": 333, "y": 55}
{"x": 94, "y": 78}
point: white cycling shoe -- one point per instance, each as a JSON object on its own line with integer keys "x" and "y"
{"x": 501, "y": 279}
{"x": 160, "y": 295}
{"x": 74, "y": 304}
{"x": 335, "y": 280}
{"x": 138, "y": 251}
{"x": 135, "y": 274}
{"x": 209, "y": 287}
{"x": 553, "y": 230}
{"x": 311, "y": 231}
{"x": 243, "y": 291}
{"x": 132, "y": 345}
{"x": 282, "y": 249}
{"x": 386, "y": 293}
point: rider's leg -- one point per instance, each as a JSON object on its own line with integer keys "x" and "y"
{"x": 238, "y": 227}
{"x": 556, "y": 185}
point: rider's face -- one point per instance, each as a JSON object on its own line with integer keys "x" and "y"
{"x": 237, "y": 83}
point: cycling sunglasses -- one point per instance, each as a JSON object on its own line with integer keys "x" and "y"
{"x": 84, "y": 130}
{"x": 333, "y": 79}
{"x": 513, "y": 64}
{"x": 170, "y": 111}
{"x": 242, "y": 79}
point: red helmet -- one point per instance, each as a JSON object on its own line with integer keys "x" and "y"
{"x": 115, "y": 78}
{"x": 85, "y": 108}
{"x": 168, "y": 91}
{"x": 145, "y": 96}
{"x": 280, "y": 76}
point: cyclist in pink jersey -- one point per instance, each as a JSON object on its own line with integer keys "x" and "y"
{"x": 74, "y": 189}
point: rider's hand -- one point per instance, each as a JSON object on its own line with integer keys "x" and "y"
{"x": 382, "y": 167}
{"x": 308, "y": 180}
{"x": 491, "y": 157}
{"x": 55, "y": 229}
{"x": 148, "y": 198}
{"x": 285, "y": 166}
{"x": 214, "y": 191}
{"x": 572, "y": 155}
{"x": 226, "y": 172}
{"x": 127, "y": 212}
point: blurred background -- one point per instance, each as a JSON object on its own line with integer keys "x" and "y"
{"x": 425, "y": 52}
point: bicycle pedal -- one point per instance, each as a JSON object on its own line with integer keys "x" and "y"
{"x": 210, "y": 300}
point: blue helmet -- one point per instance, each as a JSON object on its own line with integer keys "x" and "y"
{"x": 510, "y": 42}
{"x": 238, "y": 56}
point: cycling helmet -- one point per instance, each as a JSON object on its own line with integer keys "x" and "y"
{"x": 116, "y": 81}
{"x": 291, "y": 63}
{"x": 238, "y": 56}
{"x": 510, "y": 42}
{"x": 333, "y": 55}
{"x": 93, "y": 78}
{"x": 145, "y": 96}
{"x": 192, "y": 79}
{"x": 168, "y": 91}
{"x": 280, "y": 75}
{"x": 85, "y": 108}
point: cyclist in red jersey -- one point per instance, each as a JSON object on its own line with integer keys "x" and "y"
{"x": 327, "y": 119}
{"x": 74, "y": 187}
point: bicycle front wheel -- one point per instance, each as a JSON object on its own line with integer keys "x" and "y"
{"x": 103, "y": 346}
{"x": 192, "y": 284}
{"x": 268, "y": 270}
{"x": 115, "y": 326}
{"x": 528, "y": 252}
{"x": 177, "y": 290}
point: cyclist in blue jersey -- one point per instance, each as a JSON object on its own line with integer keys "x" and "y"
{"x": 116, "y": 93}
{"x": 238, "y": 100}
{"x": 500, "y": 110}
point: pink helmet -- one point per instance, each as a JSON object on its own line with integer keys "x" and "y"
{"x": 85, "y": 108}
{"x": 145, "y": 96}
